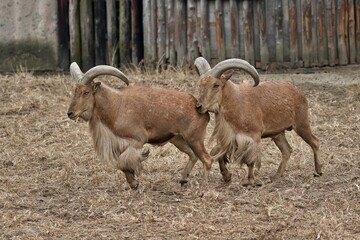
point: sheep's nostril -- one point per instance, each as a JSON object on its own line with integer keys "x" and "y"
{"x": 70, "y": 114}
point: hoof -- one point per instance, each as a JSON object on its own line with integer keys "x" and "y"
{"x": 183, "y": 182}
{"x": 227, "y": 177}
{"x": 274, "y": 178}
{"x": 249, "y": 184}
{"x": 145, "y": 153}
{"x": 134, "y": 185}
{"x": 317, "y": 174}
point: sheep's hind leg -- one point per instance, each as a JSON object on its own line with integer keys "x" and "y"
{"x": 180, "y": 143}
{"x": 200, "y": 151}
{"x": 286, "y": 150}
{"x": 309, "y": 138}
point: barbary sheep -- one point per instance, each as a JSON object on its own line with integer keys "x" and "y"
{"x": 245, "y": 113}
{"x": 122, "y": 120}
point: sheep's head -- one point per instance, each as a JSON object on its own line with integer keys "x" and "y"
{"x": 213, "y": 80}
{"x": 83, "y": 100}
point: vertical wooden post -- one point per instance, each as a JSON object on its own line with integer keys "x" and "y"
{"x": 330, "y": 10}
{"x": 264, "y": 51}
{"x": 357, "y": 30}
{"x": 161, "y": 34}
{"x": 314, "y": 35}
{"x": 307, "y": 33}
{"x": 204, "y": 30}
{"x": 192, "y": 39}
{"x": 352, "y": 33}
{"x": 100, "y": 32}
{"x": 87, "y": 34}
{"x": 219, "y": 27}
{"x": 279, "y": 32}
{"x": 180, "y": 33}
{"x": 63, "y": 37}
{"x": 124, "y": 32}
{"x": 74, "y": 32}
{"x": 294, "y": 57}
{"x": 112, "y": 55}
{"x": 321, "y": 35}
{"x": 286, "y": 31}
{"x": 150, "y": 32}
{"x": 249, "y": 34}
{"x": 171, "y": 32}
{"x": 234, "y": 28}
{"x": 342, "y": 31}
{"x": 137, "y": 40}
{"x": 270, "y": 28}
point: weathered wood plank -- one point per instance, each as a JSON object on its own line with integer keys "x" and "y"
{"x": 87, "y": 35}
{"x": 352, "y": 33}
{"x": 321, "y": 34}
{"x": 241, "y": 30}
{"x": 219, "y": 26}
{"x": 149, "y": 55}
{"x": 342, "y": 31}
{"x": 330, "y": 12}
{"x": 171, "y": 32}
{"x": 180, "y": 33}
{"x": 286, "y": 31}
{"x": 294, "y": 57}
{"x": 234, "y": 29}
{"x": 161, "y": 34}
{"x": 357, "y": 30}
{"x": 270, "y": 28}
{"x": 112, "y": 53}
{"x": 279, "y": 31}
{"x": 100, "y": 31}
{"x": 63, "y": 38}
{"x": 137, "y": 46}
{"x": 74, "y": 31}
{"x": 192, "y": 39}
{"x": 307, "y": 33}
{"x": 204, "y": 30}
{"x": 124, "y": 32}
{"x": 256, "y": 36}
{"x": 264, "y": 51}
{"x": 314, "y": 35}
{"x": 249, "y": 34}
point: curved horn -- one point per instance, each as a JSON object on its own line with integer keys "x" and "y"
{"x": 76, "y": 72}
{"x": 236, "y": 63}
{"x": 103, "y": 70}
{"x": 202, "y": 65}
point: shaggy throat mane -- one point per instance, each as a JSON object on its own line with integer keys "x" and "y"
{"x": 122, "y": 153}
{"x": 239, "y": 147}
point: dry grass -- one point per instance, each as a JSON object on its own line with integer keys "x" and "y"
{"x": 52, "y": 186}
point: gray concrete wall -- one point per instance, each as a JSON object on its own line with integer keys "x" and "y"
{"x": 28, "y": 35}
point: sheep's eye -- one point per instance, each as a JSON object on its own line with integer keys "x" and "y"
{"x": 216, "y": 86}
{"x": 86, "y": 93}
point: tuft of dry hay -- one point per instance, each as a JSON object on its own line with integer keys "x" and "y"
{"x": 52, "y": 186}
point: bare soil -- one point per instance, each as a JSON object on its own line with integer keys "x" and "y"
{"x": 52, "y": 185}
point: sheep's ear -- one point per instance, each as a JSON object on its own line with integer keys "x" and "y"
{"x": 96, "y": 86}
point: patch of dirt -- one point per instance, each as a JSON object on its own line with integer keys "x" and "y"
{"x": 52, "y": 185}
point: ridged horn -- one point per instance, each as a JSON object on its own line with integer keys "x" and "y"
{"x": 234, "y": 63}
{"x": 202, "y": 66}
{"x": 76, "y": 72}
{"x": 96, "y": 71}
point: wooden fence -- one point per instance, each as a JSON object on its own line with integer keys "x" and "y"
{"x": 298, "y": 33}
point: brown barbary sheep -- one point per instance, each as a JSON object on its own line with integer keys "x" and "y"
{"x": 245, "y": 113}
{"x": 122, "y": 120}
